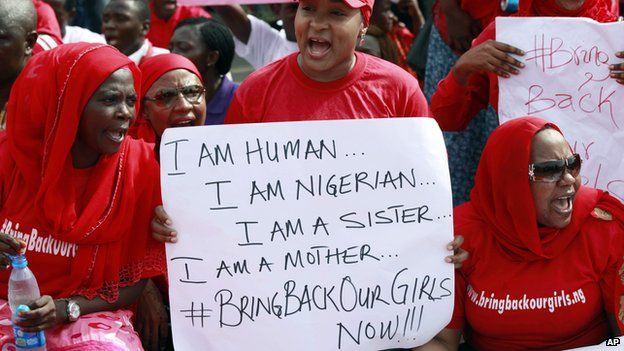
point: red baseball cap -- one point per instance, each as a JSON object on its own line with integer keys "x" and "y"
{"x": 365, "y": 6}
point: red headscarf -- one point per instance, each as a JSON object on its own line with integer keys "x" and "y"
{"x": 502, "y": 197}
{"x": 153, "y": 68}
{"x": 44, "y": 110}
{"x": 599, "y": 10}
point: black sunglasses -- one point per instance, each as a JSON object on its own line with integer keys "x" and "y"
{"x": 167, "y": 96}
{"x": 553, "y": 171}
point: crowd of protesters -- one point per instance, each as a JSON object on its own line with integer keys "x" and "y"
{"x": 88, "y": 87}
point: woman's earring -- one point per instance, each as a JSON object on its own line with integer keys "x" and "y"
{"x": 362, "y": 34}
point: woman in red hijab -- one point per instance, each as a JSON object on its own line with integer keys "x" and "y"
{"x": 544, "y": 251}
{"x": 472, "y": 84}
{"x": 70, "y": 183}
{"x": 164, "y": 77}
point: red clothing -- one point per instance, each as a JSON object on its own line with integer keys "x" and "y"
{"x": 161, "y": 31}
{"x": 280, "y": 91}
{"x": 454, "y": 105}
{"x": 152, "y": 68}
{"x": 483, "y": 11}
{"x": 529, "y": 287}
{"x": 86, "y": 236}
{"x": 47, "y": 28}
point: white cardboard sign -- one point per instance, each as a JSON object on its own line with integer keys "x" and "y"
{"x": 566, "y": 80}
{"x": 308, "y": 235}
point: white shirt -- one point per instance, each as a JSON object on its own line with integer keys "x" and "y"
{"x": 265, "y": 44}
{"x": 74, "y": 34}
{"x": 147, "y": 49}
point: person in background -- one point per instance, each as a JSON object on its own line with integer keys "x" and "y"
{"x": 256, "y": 41}
{"x": 327, "y": 78}
{"x": 69, "y": 174}
{"x": 473, "y": 81}
{"x": 165, "y": 16}
{"x": 456, "y": 24}
{"x": 18, "y": 28}
{"x": 65, "y": 10}
{"x": 89, "y": 14}
{"x": 47, "y": 27}
{"x": 384, "y": 37}
{"x": 545, "y": 251}
{"x": 210, "y": 46}
{"x": 125, "y": 24}
{"x": 164, "y": 78}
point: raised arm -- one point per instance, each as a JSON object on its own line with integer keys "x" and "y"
{"x": 235, "y": 17}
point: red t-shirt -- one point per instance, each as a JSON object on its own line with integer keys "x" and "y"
{"x": 507, "y": 304}
{"x": 47, "y": 28}
{"x": 454, "y": 105}
{"x": 51, "y": 259}
{"x": 161, "y": 31}
{"x": 280, "y": 91}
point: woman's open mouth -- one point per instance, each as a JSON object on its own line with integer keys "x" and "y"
{"x": 318, "y": 47}
{"x": 116, "y": 135}
{"x": 563, "y": 205}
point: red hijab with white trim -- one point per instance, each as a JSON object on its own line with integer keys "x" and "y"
{"x": 43, "y": 114}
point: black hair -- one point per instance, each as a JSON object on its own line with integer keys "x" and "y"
{"x": 142, "y": 8}
{"x": 216, "y": 37}
{"x": 70, "y": 5}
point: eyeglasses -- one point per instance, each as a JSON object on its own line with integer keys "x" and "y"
{"x": 553, "y": 171}
{"x": 167, "y": 96}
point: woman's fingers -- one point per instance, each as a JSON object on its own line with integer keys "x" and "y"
{"x": 459, "y": 255}
{"x": 5, "y": 262}
{"x": 459, "y": 258}
{"x": 160, "y": 226}
{"x": 507, "y": 48}
{"x": 617, "y": 70}
{"x": 10, "y": 245}
{"x": 41, "y": 316}
{"x": 161, "y": 215}
{"x": 162, "y": 233}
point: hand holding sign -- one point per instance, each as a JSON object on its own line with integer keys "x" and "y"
{"x": 490, "y": 56}
{"x": 325, "y": 235}
{"x": 617, "y": 70}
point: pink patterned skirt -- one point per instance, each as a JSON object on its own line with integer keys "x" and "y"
{"x": 101, "y": 331}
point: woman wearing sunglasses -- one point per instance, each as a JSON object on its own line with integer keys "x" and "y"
{"x": 544, "y": 251}
{"x": 173, "y": 96}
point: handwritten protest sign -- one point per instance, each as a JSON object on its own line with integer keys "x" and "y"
{"x": 227, "y": 2}
{"x": 566, "y": 81}
{"x": 309, "y": 235}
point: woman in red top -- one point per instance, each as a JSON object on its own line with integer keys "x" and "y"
{"x": 164, "y": 78}
{"x": 544, "y": 250}
{"x": 70, "y": 183}
{"x": 472, "y": 84}
{"x": 327, "y": 78}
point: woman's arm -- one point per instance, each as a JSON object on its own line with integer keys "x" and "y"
{"x": 446, "y": 340}
{"x": 46, "y": 312}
